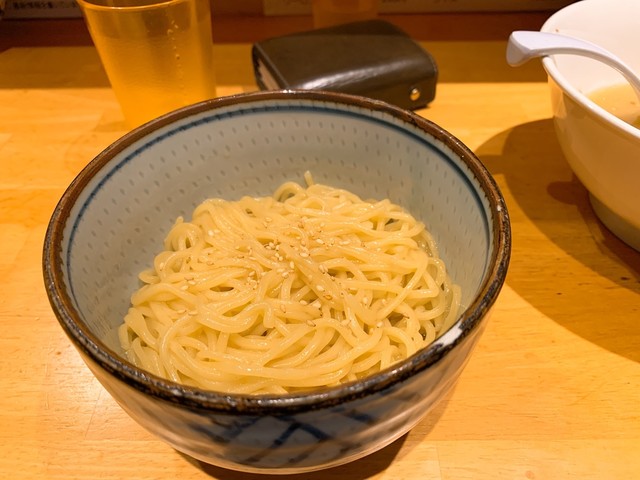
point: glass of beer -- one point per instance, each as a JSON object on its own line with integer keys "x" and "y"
{"x": 158, "y": 54}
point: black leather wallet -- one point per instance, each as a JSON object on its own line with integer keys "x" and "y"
{"x": 373, "y": 58}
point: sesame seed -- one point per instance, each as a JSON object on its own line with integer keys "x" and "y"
{"x": 304, "y": 302}
{"x": 304, "y": 254}
{"x": 320, "y": 288}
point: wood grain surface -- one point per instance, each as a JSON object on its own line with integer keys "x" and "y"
{"x": 551, "y": 392}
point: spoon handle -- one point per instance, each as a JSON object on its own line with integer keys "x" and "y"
{"x": 524, "y": 45}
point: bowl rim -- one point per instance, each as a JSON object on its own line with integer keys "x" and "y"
{"x": 97, "y": 353}
{"x": 550, "y": 25}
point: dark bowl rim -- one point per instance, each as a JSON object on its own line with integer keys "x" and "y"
{"x": 97, "y": 353}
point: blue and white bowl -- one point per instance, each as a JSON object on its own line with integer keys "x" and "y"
{"x": 112, "y": 220}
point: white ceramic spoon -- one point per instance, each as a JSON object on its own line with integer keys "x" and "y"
{"x": 524, "y": 45}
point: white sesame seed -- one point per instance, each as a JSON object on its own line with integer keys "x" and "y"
{"x": 320, "y": 288}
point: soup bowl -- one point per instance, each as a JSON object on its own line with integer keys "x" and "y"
{"x": 112, "y": 220}
{"x": 602, "y": 150}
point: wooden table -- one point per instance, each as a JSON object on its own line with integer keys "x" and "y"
{"x": 551, "y": 392}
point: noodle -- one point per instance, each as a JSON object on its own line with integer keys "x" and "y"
{"x": 311, "y": 287}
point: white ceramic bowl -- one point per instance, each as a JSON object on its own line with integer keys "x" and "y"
{"x": 602, "y": 150}
{"x": 112, "y": 220}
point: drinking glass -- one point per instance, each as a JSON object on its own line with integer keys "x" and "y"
{"x": 158, "y": 54}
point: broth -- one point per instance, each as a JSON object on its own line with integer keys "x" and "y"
{"x": 619, "y": 100}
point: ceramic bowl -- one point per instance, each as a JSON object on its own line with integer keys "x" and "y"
{"x": 113, "y": 218}
{"x": 602, "y": 150}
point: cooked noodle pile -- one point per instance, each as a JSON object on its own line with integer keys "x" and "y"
{"x": 311, "y": 287}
